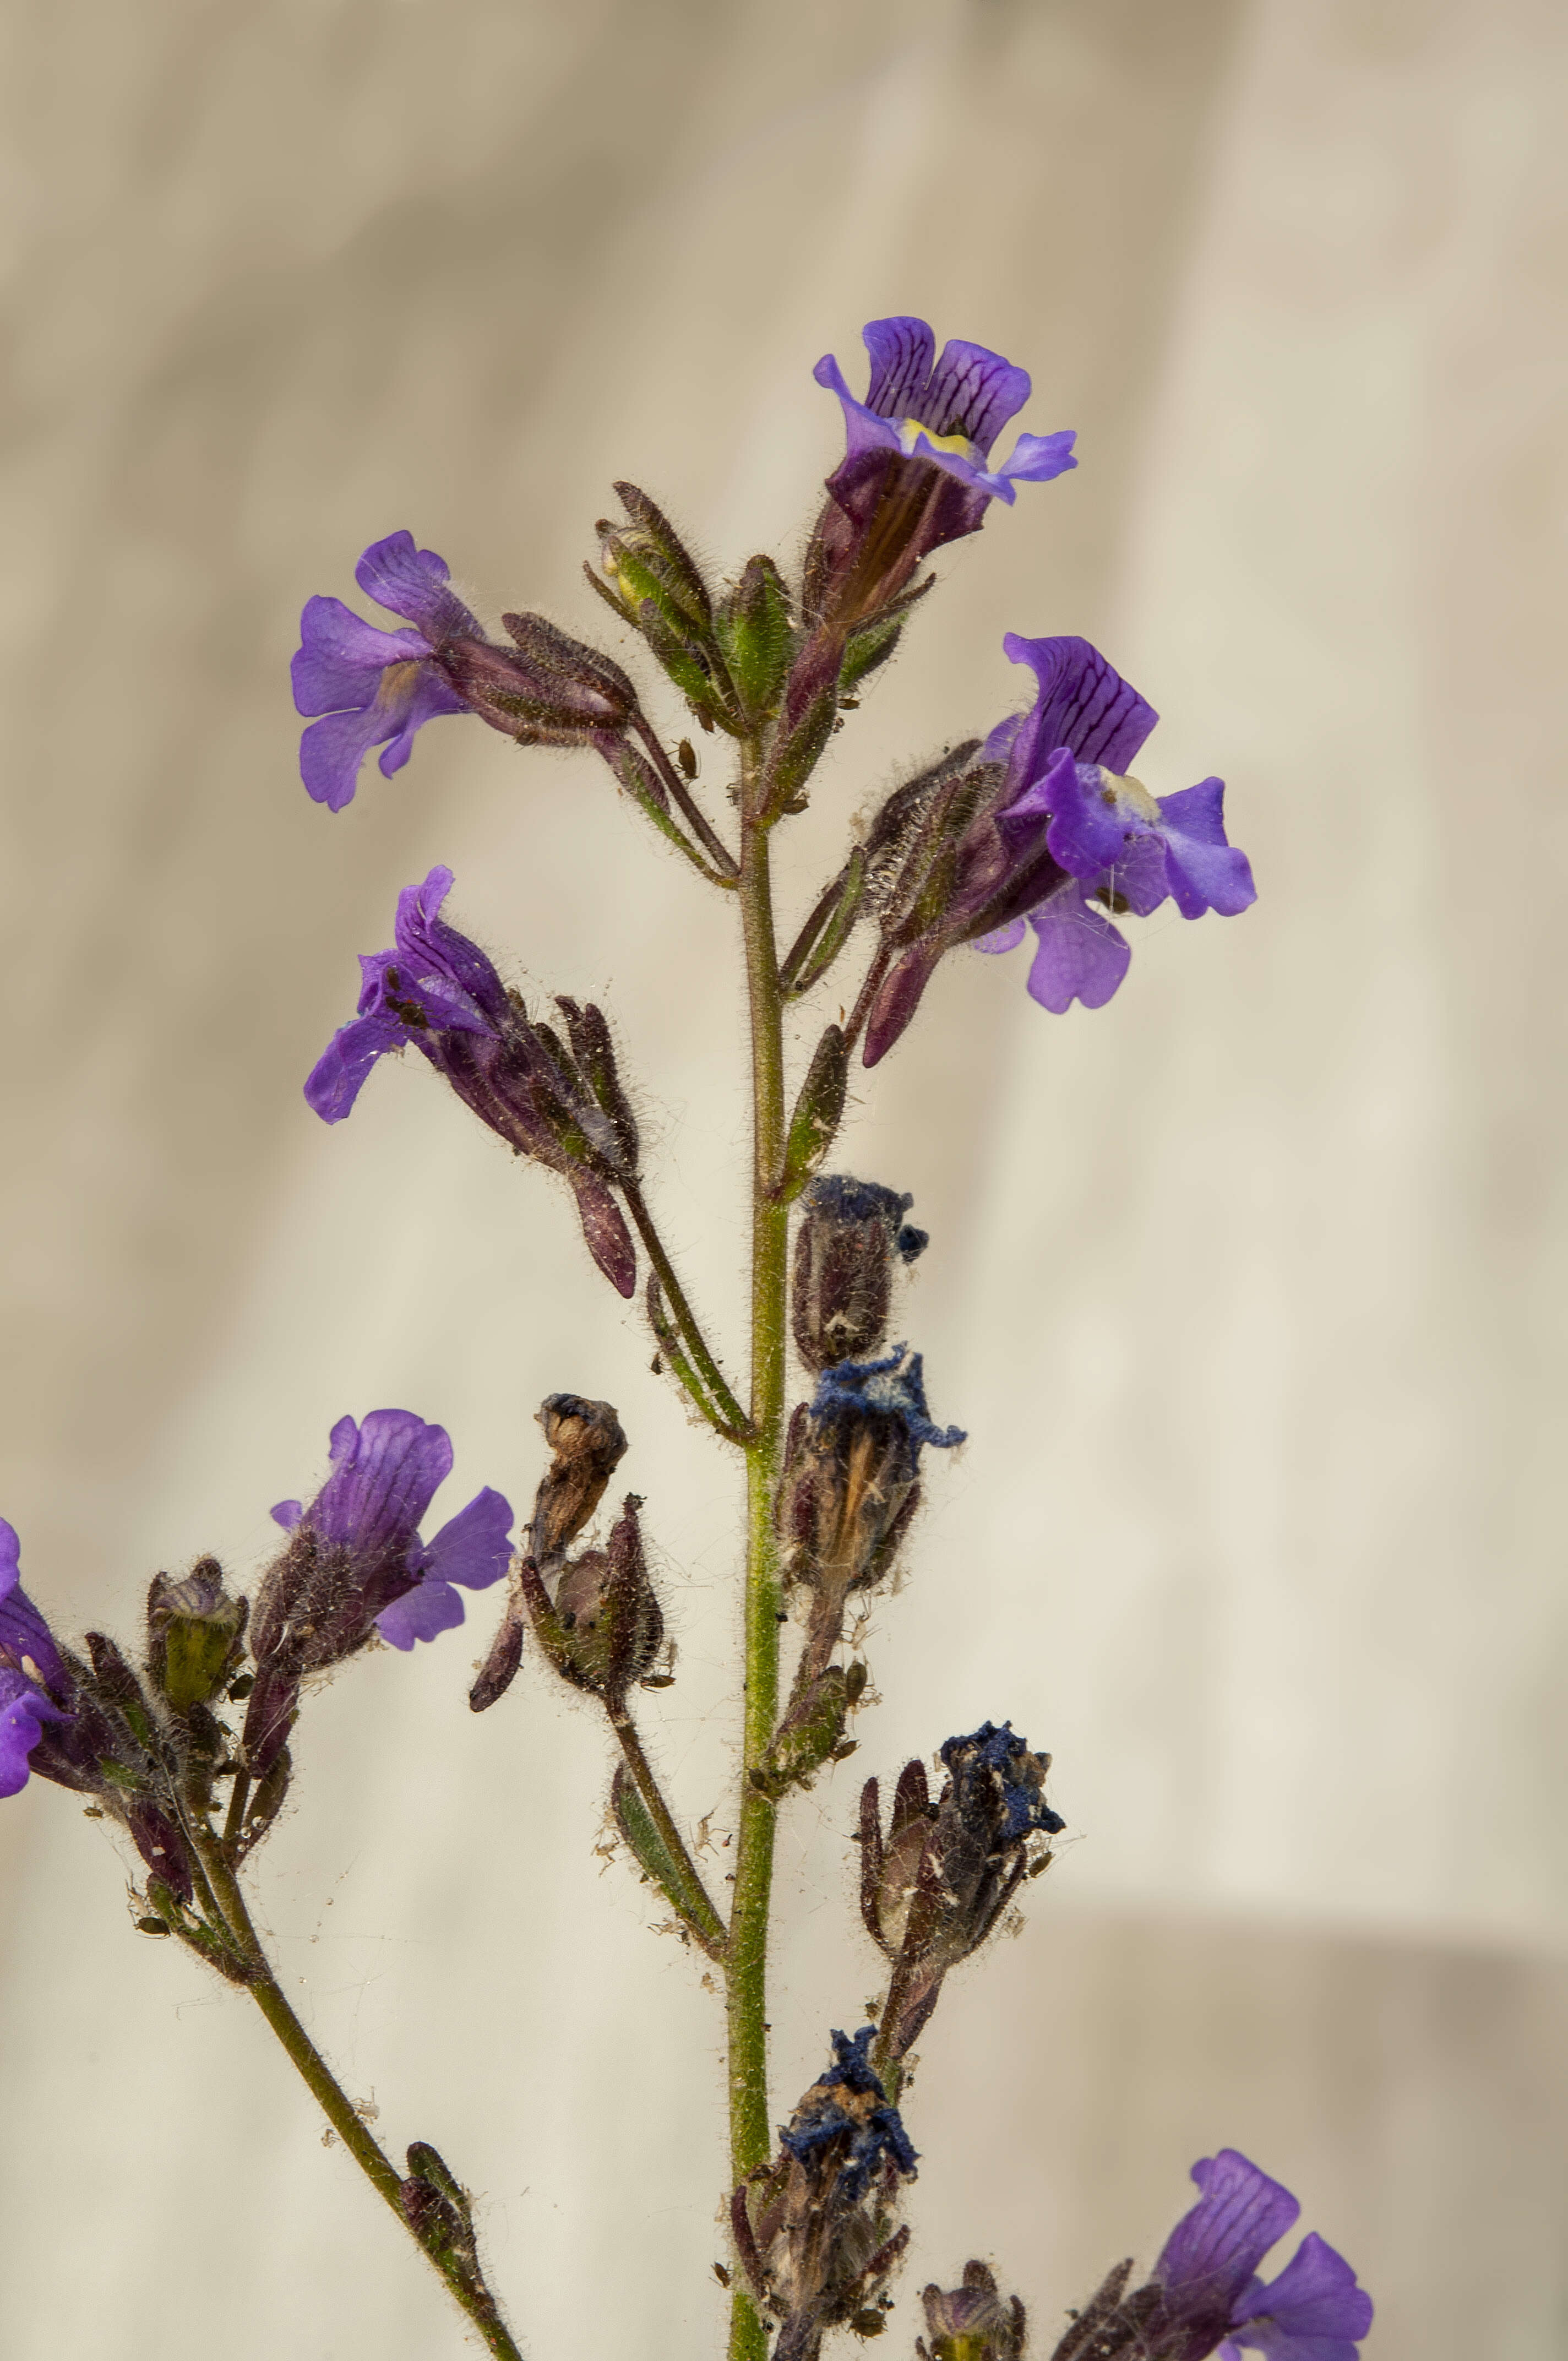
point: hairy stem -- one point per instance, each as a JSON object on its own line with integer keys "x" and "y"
{"x": 329, "y": 2094}
{"x": 750, "y": 2131}
{"x": 711, "y": 1931}
{"x": 685, "y": 1319}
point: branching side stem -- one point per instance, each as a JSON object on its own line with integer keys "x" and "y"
{"x": 325, "y": 2089}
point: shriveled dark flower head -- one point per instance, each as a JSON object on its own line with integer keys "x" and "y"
{"x": 935, "y": 1884}
{"x": 845, "y": 2118}
{"x": 852, "y": 1466}
{"x": 815, "y": 2228}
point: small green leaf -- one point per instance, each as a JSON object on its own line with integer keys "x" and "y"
{"x": 654, "y": 1858}
{"x": 818, "y": 1112}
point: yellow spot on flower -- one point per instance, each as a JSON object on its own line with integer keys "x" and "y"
{"x": 910, "y": 431}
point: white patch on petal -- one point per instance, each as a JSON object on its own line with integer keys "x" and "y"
{"x": 1130, "y": 795}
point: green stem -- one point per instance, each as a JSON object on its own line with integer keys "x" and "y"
{"x": 329, "y": 2095}
{"x": 750, "y": 2129}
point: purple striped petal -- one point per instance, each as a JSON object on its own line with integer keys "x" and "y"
{"x": 1205, "y": 872}
{"x": 902, "y": 349}
{"x": 1214, "y": 2250}
{"x": 24, "y": 1710}
{"x": 1081, "y": 703}
{"x": 26, "y": 1638}
{"x": 475, "y": 1546}
{"x": 1080, "y": 955}
{"x": 385, "y": 1473}
{"x": 1313, "y": 2312}
{"x": 412, "y": 583}
{"x": 341, "y": 657}
{"x": 971, "y": 392}
{"x": 336, "y": 1079}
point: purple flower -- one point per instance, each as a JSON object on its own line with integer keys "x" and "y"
{"x": 915, "y": 474}
{"x": 1077, "y": 834}
{"x": 433, "y": 981}
{"x": 1207, "y": 2278}
{"x": 355, "y": 1563}
{"x": 437, "y": 990}
{"x": 375, "y": 687}
{"x": 30, "y": 1666}
{"x": 948, "y": 412}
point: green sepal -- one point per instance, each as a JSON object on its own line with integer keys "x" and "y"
{"x": 685, "y": 660}
{"x": 756, "y": 635}
{"x": 797, "y": 754}
{"x": 818, "y": 1112}
{"x": 834, "y": 933}
{"x": 656, "y": 1860}
{"x": 427, "y": 2164}
{"x": 866, "y": 649}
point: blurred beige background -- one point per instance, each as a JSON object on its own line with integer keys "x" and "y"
{"x": 1248, "y": 1289}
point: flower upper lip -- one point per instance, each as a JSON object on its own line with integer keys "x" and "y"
{"x": 948, "y": 412}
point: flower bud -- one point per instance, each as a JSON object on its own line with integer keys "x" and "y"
{"x": 193, "y": 1635}
{"x": 971, "y": 2323}
{"x": 934, "y": 1889}
{"x": 647, "y": 558}
{"x": 756, "y": 632}
{"x": 844, "y": 1253}
{"x": 653, "y": 581}
{"x": 603, "y": 1628}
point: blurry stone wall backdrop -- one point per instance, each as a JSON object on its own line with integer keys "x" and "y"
{"x": 1248, "y": 1289}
